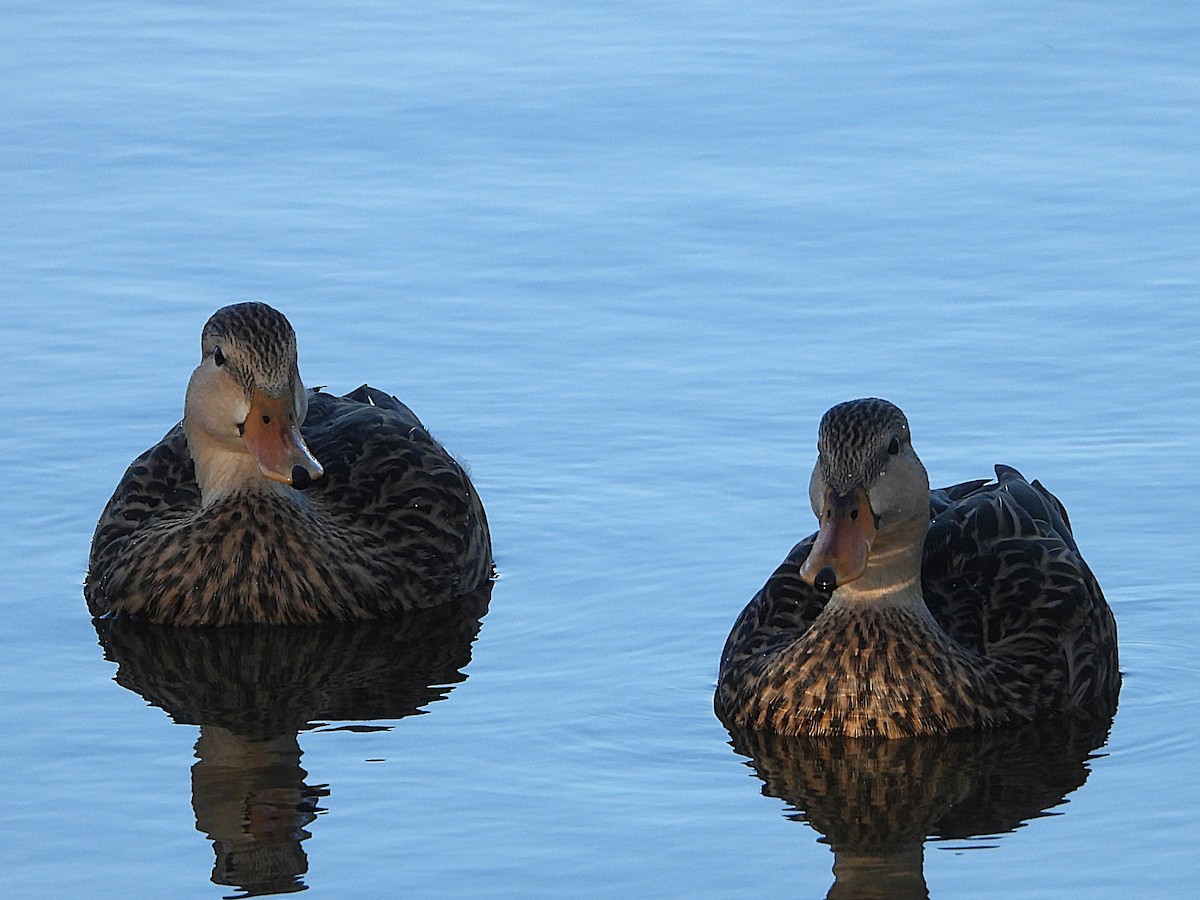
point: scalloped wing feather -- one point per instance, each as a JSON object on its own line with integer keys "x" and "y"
{"x": 394, "y": 524}
{"x": 1003, "y": 577}
{"x": 386, "y": 474}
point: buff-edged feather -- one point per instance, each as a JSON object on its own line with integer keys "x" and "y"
{"x": 914, "y": 611}
{"x": 274, "y": 504}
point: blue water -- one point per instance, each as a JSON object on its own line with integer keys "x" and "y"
{"x": 619, "y": 259}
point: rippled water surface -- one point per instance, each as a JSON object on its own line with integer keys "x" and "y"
{"x": 619, "y": 258}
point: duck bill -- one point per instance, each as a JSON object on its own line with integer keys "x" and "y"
{"x": 276, "y": 442}
{"x": 839, "y": 554}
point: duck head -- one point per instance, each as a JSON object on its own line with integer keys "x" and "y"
{"x": 869, "y": 490}
{"x": 245, "y": 403}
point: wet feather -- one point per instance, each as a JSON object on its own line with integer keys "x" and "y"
{"x": 393, "y": 523}
{"x": 1010, "y": 626}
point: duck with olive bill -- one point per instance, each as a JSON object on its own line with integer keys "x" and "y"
{"x": 270, "y": 503}
{"x": 913, "y": 611}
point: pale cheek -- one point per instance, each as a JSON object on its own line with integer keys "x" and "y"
{"x": 887, "y": 505}
{"x": 225, "y": 422}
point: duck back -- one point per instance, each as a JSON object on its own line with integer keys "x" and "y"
{"x": 394, "y": 524}
{"x": 1019, "y": 631}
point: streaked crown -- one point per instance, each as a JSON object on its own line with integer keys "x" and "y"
{"x": 853, "y": 441}
{"x": 258, "y": 343}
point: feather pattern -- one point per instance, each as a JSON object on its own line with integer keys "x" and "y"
{"x": 1009, "y": 625}
{"x": 393, "y": 523}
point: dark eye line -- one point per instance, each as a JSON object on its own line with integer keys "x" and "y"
{"x": 242, "y": 428}
{"x": 218, "y": 357}
{"x": 894, "y": 446}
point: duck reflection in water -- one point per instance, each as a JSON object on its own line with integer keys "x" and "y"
{"x": 875, "y": 801}
{"x": 251, "y": 800}
{"x": 252, "y": 689}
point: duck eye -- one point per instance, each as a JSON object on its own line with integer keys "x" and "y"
{"x": 894, "y": 446}
{"x": 218, "y": 357}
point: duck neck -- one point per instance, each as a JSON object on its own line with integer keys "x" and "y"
{"x": 223, "y": 471}
{"x": 893, "y": 574}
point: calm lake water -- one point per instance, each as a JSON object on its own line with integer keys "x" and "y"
{"x": 619, "y": 258}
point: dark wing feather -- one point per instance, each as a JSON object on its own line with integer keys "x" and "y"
{"x": 785, "y": 607}
{"x": 1004, "y": 577}
{"x": 386, "y": 475}
{"x": 406, "y": 528}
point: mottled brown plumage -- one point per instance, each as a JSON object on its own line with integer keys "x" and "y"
{"x": 973, "y": 607}
{"x": 357, "y": 514}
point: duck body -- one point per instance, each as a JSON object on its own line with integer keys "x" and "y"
{"x": 366, "y": 517}
{"x": 975, "y": 611}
